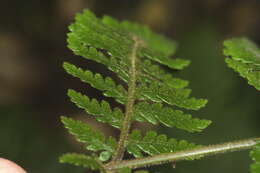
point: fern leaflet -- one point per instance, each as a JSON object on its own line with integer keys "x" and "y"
{"x": 153, "y": 144}
{"x": 245, "y": 59}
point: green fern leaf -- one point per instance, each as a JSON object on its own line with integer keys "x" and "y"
{"x": 101, "y": 111}
{"x": 177, "y": 63}
{"x": 172, "y": 118}
{"x": 242, "y": 49}
{"x": 245, "y": 59}
{"x": 249, "y": 71}
{"x": 255, "y": 155}
{"x": 92, "y": 53}
{"x": 153, "y": 72}
{"x": 148, "y": 91}
{"x": 154, "y": 41}
{"x": 152, "y": 144}
{"x": 158, "y": 47}
{"x": 80, "y": 160}
{"x": 97, "y": 81}
{"x": 116, "y": 40}
{"x": 163, "y": 94}
{"x": 95, "y": 140}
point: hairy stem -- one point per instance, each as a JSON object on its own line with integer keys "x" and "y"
{"x": 130, "y": 102}
{"x": 185, "y": 155}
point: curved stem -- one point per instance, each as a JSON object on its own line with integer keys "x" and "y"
{"x": 185, "y": 155}
{"x": 130, "y": 102}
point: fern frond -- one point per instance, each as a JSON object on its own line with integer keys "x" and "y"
{"x": 245, "y": 59}
{"x": 117, "y": 42}
{"x": 154, "y": 41}
{"x": 249, "y": 71}
{"x": 152, "y": 144}
{"x": 94, "y": 140}
{"x": 135, "y": 54}
{"x": 255, "y": 155}
{"x": 98, "y": 81}
{"x": 242, "y": 49}
{"x": 113, "y": 64}
{"x": 172, "y": 118}
{"x": 101, "y": 111}
{"x": 116, "y": 39}
{"x": 156, "y": 48}
{"x": 80, "y": 160}
{"x": 163, "y": 94}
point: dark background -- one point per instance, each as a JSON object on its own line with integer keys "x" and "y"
{"x": 33, "y": 84}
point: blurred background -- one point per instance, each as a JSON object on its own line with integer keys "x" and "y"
{"x": 33, "y": 84}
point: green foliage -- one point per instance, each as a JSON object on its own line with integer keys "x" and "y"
{"x": 102, "y": 110}
{"x": 245, "y": 59}
{"x": 95, "y": 140}
{"x": 136, "y": 55}
{"x": 99, "y": 82}
{"x": 143, "y": 112}
{"x": 154, "y": 113}
{"x": 159, "y": 93}
{"x": 153, "y": 144}
{"x": 255, "y": 155}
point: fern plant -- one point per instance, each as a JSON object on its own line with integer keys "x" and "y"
{"x": 147, "y": 91}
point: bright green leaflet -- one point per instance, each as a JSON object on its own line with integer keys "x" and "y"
{"x": 244, "y": 59}
{"x": 94, "y": 140}
{"x": 153, "y": 144}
